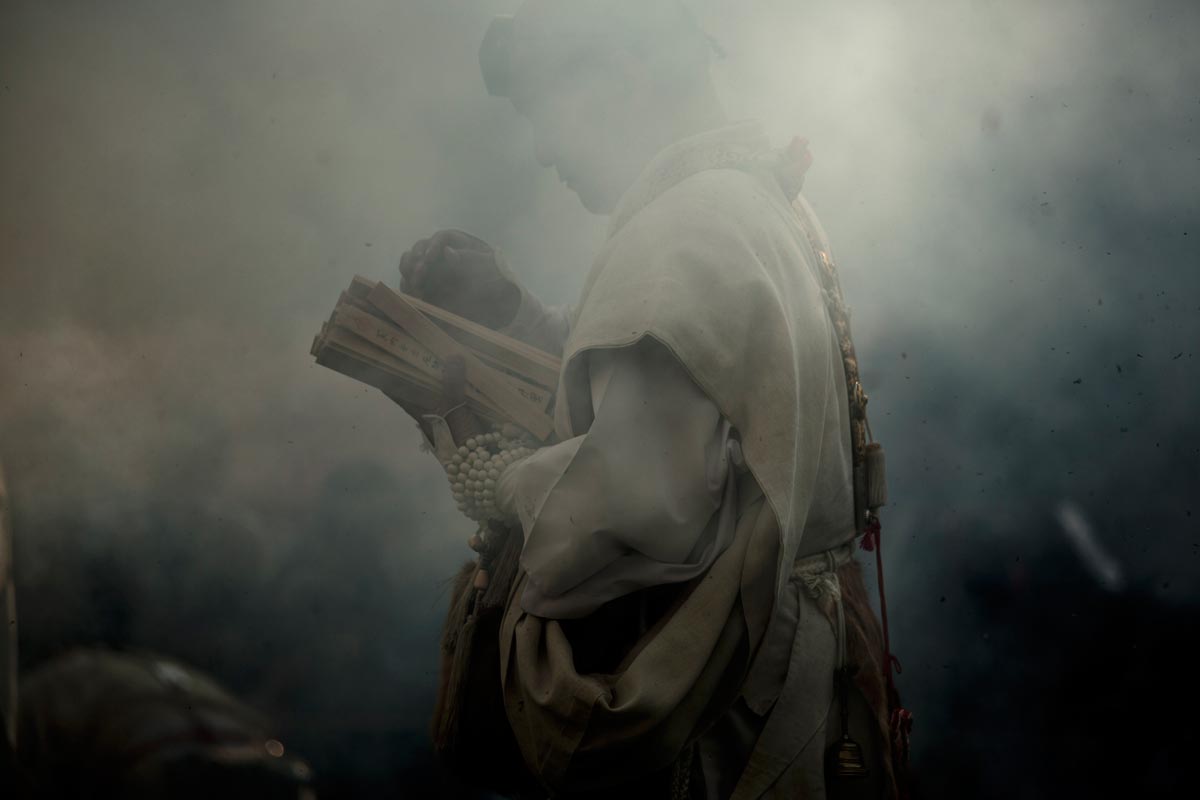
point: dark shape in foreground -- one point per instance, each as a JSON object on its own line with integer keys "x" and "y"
{"x": 97, "y": 723}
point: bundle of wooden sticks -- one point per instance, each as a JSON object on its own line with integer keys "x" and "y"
{"x": 398, "y": 343}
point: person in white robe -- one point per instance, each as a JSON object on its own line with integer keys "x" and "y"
{"x": 696, "y": 510}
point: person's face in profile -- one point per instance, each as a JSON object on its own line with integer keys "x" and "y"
{"x": 586, "y": 124}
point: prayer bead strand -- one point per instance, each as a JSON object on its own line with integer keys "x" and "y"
{"x": 475, "y": 469}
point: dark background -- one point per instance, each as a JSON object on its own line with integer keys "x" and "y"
{"x": 1011, "y": 189}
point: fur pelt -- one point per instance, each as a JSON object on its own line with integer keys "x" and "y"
{"x": 469, "y": 728}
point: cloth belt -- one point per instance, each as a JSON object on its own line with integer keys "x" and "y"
{"x": 798, "y": 717}
{"x": 818, "y": 572}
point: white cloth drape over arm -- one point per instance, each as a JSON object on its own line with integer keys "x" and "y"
{"x": 646, "y": 496}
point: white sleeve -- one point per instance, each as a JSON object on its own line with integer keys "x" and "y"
{"x": 538, "y": 325}
{"x": 645, "y": 497}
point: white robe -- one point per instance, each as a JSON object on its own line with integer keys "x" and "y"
{"x": 701, "y": 322}
{"x": 646, "y": 497}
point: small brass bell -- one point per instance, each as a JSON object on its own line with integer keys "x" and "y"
{"x": 844, "y": 758}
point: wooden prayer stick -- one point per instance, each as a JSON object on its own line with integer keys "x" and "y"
{"x": 404, "y": 348}
{"x": 535, "y": 365}
{"x": 488, "y": 380}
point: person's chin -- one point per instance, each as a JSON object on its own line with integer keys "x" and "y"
{"x": 595, "y": 202}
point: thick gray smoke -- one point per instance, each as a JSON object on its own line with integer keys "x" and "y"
{"x": 186, "y": 187}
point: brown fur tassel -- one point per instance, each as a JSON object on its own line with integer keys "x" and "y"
{"x": 469, "y": 728}
{"x": 445, "y": 711}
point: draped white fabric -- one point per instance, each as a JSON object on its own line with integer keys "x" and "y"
{"x": 700, "y": 342}
{"x": 707, "y": 256}
{"x": 647, "y": 496}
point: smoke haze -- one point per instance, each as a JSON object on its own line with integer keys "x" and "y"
{"x": 1011, "y": 191}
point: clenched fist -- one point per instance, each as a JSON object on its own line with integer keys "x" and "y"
{"x": 461, "y": 273}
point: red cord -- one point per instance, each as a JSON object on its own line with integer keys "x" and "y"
{"x": 900, "y": 718}
{"x": 873, "y": 542}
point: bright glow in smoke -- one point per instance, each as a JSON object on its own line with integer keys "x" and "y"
{"x": 1102, "y": 566}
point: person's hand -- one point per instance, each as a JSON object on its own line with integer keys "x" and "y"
{"x": 460, "y": 419}
{"x": 460, "y": 273}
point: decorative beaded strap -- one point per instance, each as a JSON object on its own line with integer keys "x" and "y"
{"x": 869, "y": 488}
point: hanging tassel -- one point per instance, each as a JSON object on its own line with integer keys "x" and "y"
{"x": 458, "y": 634}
